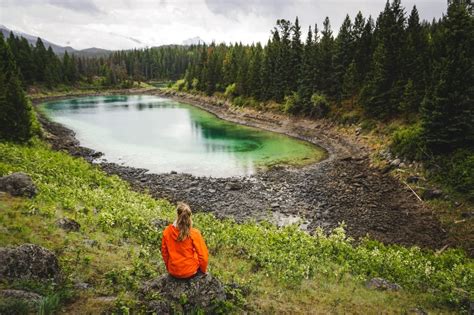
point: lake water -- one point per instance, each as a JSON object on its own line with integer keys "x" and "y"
{"x": 164, "y": 135}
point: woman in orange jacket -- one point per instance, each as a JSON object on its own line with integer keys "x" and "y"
{"x": 182, "y": 247}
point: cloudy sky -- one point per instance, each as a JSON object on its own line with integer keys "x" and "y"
{"x": 123, "y": 24}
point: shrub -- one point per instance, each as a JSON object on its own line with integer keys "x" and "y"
{"x": 319, "y": 106}
{"x": 456, "y": 172}
{"x": 292, "y": 103}
{"x": 230, "y": 90}
{"x": 180, "y": 85}
{"x": 408, "y": 142}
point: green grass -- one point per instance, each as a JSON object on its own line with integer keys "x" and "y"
{"x": 275, "y": 269}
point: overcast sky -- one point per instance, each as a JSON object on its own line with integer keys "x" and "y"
{"x": 123, "y": 24}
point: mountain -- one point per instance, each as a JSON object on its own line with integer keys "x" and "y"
{"x": 193, "y": 41}
{"x": 59, "y": 50}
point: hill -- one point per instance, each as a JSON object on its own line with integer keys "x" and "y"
{"x": 59, "y": 50}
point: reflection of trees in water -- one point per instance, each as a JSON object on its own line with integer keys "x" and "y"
{"x": 230, "y": 138}
{"x": 74, "y": 105}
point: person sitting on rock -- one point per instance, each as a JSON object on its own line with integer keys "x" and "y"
{"x": 183, "y": 248}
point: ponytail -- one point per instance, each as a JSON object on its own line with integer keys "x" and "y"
{"x": 184, "y": 221}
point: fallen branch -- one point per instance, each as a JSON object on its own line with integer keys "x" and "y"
{"x": 439, "y": 252}
{"x": 419, "y": 198}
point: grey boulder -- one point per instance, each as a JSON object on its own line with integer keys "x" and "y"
{"x": 28, "y": 262}
{"x": 18, "y": 184}
{"x": 199, "y": 293}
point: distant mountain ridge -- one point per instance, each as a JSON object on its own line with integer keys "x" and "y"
{"x": 59, "y": 50}
{"x": 87, "y": 52}
{"x": 193, "y": 41}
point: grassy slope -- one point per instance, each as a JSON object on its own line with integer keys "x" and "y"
{"x": 276, "y": 269}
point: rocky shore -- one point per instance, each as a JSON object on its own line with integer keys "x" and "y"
{"x": 342, "y": 188}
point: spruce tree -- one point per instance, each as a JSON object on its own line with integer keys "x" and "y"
{"x": 40, "y": 58}
{"x": 15, "y": 111}
{"x": 306, "y": 82}
{"x": 326, "y": 77}
{"x": 344, "y": 53}
{"x": 296, "y": 55}
{"x": 448, "y": 109}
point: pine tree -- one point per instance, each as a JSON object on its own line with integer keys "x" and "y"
{"x": 386, "y": 81}
{"x": 343, "y": 56}
{"x": 326, "y": 78}
{"x": 40, "y": 58}
{"x": 296, "y": 55}
{"x": 306, "y": 82}
{"x": 363, "y": 49}
{"x": 448, "y": 109}
{"x": 255, "y": 70}
{"x": 15, "y": 111}
{"x": 349, "y": 84}
{"x": 416, "y": 59}
{"x": 409, "y": 101}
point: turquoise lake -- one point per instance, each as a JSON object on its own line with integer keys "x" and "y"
{"x": 163, "y": 135}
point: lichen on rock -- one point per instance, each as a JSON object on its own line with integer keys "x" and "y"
{"x": 167, "y": 295}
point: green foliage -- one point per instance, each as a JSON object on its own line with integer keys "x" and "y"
{"x": 16, "y": 115}
{"x": 319, "y": 106}
{"x": 455, "y": 172}
{"x": 230, "y": 90}
{"x": 448, "y": 109}
{"x": 292, "y": 103}
{"x": 180, "y": 85}
{"x": 408, "y": 142}
{"x": 49, "y": 305}
{"x": 14, "y": 307}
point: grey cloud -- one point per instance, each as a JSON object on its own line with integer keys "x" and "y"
{"x": 84, "y": 6}
{"x": 127, "y": 37}
{"x": 229, "y": 8}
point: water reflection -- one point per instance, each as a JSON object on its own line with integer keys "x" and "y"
{"x": 163, "y": 135}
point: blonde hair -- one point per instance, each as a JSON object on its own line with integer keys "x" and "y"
{"x": 184, "y": 221}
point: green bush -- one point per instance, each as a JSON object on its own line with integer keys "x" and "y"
{"x": 292, "y": 103}
{"x": 456, "y": 172}
{"x": 408, "y": 142}
{"x": 180, "y": 85}
{"x": 319, "y": 106}
{"x": 230, "y": 90}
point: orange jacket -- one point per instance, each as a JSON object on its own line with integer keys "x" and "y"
{"x": 182, "y": 259}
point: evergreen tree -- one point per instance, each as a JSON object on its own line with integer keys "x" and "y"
{"x": 296, "y": 55}
{"x": 306, "y": 82}
{"x": 326, "y": 78}
{"x": 343, "y": 56}
{"x": 15, "y": 111}
{"x": 363, "y": 50}
{"x": 349, "y": 85}
{"x": 416, "y": 60}
{"x": 255, "y": 71}
{"x": 448, "y": 109}
{"x": 40, "y": 59}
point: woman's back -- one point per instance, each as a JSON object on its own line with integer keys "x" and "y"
{"x": 184, "y": 258}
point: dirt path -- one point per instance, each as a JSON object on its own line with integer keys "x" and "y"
{"x": 342, "y": 188}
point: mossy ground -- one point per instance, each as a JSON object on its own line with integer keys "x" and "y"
{"x": 275, "y": 270}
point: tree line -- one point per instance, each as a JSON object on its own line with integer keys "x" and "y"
{"x": 395, "y": 66}
{"x": 38, "y": 65}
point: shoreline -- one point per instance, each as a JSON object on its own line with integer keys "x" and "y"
{"x": 341, "y": 188}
